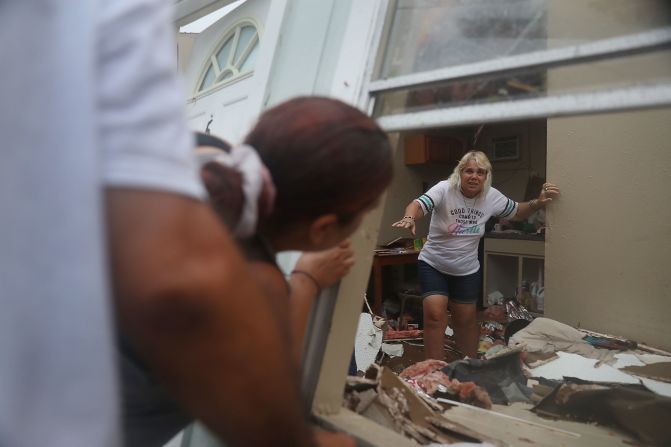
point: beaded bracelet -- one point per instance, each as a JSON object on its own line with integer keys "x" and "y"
{"x": 408, "y": 217}
{"x": 312, "y": 278}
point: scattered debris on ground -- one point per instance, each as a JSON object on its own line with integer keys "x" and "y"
{"x": 539, "y": 366}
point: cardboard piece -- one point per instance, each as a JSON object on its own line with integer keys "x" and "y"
{"x": 656, "y": 371}
{"x": 631, "y": 408}
{"x": 399, "y": 407}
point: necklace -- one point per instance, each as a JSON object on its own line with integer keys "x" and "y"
{"x": 463, "y": 198}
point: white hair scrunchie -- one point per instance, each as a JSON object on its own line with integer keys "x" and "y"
{"x": 255, "y": 176}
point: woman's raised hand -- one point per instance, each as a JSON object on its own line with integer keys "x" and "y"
{"x": 407, "y": 222}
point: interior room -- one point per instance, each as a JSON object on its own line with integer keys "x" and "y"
{"x": 511, "y": 252}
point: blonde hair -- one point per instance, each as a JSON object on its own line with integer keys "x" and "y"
{"x": 481, "y": 160}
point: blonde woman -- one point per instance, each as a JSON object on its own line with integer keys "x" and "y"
{"x": 449, "y": 270}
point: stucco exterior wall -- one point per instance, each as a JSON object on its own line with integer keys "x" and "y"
{"x": 609, "y": 242}
{"x": 609, "y": 246}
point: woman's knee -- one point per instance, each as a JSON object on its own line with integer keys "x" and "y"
{"x": 435, "y": 310}
{"x": 464, "y": 314}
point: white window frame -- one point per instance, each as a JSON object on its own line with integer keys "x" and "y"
{"x": 334, "y": 317}
{"x": 233, "y": 32}
{"x": 624, "y": 98}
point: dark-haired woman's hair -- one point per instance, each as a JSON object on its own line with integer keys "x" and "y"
{"x": 325, "y": 156}
{"x": 223, "y": 183}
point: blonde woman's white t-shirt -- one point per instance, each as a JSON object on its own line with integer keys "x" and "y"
{"x": 457, "y": 224}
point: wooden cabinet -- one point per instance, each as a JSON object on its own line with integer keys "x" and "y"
{"x": 422, "y": 148}
{"x": 508, "y": 262}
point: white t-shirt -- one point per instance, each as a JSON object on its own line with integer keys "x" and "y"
{"x": 89, "y": 99}
{"x": 457, "y": 224}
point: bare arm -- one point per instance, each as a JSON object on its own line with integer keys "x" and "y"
{"x": 526, "y": 209}
{"x": 314, "y": 272}
{"x": 412, "y": 212}
{"x": 183, "y": 295}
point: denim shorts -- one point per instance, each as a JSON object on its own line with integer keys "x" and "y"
{"x": 459, "y": 289}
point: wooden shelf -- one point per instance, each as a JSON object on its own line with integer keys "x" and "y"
{"x": 422, "y": 148}
{"x": 509, "y": 262}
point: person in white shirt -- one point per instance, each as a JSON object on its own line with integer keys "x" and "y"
{"x": 103, "y": 225}
{"x": 448, "y": 264}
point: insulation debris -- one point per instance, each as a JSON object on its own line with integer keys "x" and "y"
{"x": 428, "y": 377}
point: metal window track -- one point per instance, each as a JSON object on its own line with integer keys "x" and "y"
{"x": 562, "y": 105}
{"x": 601, "y": 49}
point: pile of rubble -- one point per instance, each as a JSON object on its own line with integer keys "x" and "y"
{"x": 553, "y": 370}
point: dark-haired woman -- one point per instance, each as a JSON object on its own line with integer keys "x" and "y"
{"x": 306, "y": 175}
{"x": 323, "y": 165}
